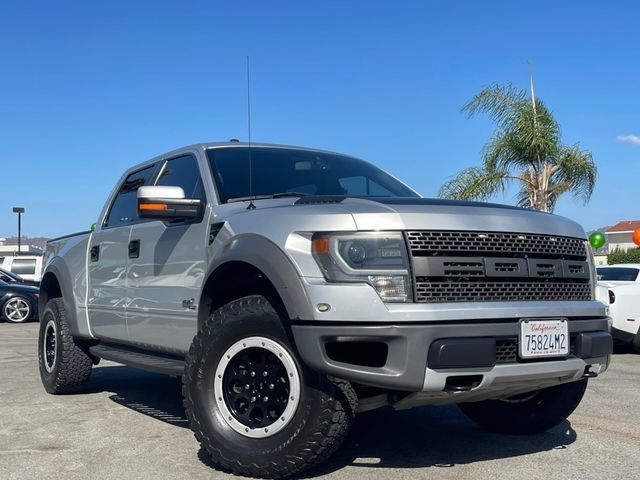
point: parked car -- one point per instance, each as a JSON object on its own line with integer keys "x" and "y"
{"x": 29, "y": 267}
{"x": 18, "y": 300}
{"x": 622, "y": 283}
{"x": 10, "y": 277}
{"x": 315, "y": 288}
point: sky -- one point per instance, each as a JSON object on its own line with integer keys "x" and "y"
{"x": 88, "y": 89}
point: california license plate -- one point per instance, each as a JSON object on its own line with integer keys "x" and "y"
{"x": 544, "y": 338}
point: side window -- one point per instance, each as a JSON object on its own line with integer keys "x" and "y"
{"x": 23, "y": 266}
{"x": 183, "y": 172}
{"x": 124, "y": 208}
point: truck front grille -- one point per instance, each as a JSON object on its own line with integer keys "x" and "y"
{"x": 495, "y": 243}
{"x": 456, "y": 266}
{"x": 505, "y": 291}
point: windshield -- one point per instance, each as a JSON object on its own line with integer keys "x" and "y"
{"x": 618, "y": 274}
{"x": 282, "y": 170}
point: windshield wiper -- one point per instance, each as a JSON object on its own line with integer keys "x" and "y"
{"x": 263, "y": 197}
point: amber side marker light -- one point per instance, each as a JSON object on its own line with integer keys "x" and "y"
{"x": 320, "y": 246}
{"x": 153, "y": 206}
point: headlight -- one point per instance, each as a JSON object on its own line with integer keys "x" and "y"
{"x": 377, "y": 258}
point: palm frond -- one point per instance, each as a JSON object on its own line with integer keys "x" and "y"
{"x": 526, "y": 147}
{"x": 577, "y": 169}
{"x": 474, "y": 183}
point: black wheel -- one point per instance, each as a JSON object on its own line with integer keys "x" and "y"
{"x": 528, "y": 413}
{"x": 64, "y": 361}
{"x": 252, "y": 405}
{"x": 16, "y": 310}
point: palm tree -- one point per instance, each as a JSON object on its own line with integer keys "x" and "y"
{"x": 525, "y": 148}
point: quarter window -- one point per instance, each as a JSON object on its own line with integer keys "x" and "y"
{"x": 124, "y": 209}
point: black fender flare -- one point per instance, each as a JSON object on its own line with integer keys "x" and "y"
{"x": 274, "y": 263}
{"x": 58, "y": 268}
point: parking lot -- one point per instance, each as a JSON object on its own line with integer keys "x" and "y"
{"x": 130, "y": 424}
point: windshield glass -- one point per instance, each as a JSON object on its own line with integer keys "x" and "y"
{"x": 618, "y": 274}
{"x": 282, "y": 170}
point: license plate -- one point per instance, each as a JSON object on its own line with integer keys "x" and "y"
{"x": 544, "y": 338}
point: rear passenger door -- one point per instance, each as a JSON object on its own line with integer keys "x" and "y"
{"x": 108, "y": 258}
{"x": 168, "y": 270}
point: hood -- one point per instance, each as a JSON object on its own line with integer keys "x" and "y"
{"x": 339, "y": 213}
{"x": 22, "y": 288}
{"x": 614, "y": 283}
{"x": 437, "y": 214}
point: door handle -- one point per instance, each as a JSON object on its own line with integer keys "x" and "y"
{"x": 95, "y": 253}
{"x": 134, "y": 248}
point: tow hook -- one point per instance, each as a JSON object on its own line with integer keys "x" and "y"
{"x": 588, "y": 373}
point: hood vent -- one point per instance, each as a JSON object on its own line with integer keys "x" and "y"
{"x": 319, "y": 200}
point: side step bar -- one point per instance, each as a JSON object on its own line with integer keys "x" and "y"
{"x": 145, "y": 360}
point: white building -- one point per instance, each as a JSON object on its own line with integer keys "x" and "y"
{"x": 619, "y": 236}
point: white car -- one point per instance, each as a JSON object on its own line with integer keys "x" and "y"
{"x": 620, "y": 287}
{"x": 29, "y": 267}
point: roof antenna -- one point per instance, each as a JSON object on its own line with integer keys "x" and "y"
{"x": 251, "y": 206}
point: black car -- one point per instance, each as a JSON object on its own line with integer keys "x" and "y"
{"x": 18, "y": 300}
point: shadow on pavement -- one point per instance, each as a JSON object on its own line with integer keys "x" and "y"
{"x": 438, "y": 437}
{"x": 432, "y": 437}
{"x": 157, "y": 396}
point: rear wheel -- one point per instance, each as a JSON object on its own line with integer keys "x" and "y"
{"x": 16, "y": 310}
{"x": 64, "y": 361}
{"x": 251, "y": 404}
{"x": 529, "y": 413}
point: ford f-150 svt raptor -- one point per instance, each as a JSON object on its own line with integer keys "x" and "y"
{"x": 291, "y": 288}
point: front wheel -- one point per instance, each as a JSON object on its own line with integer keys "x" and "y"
{"x": 528, "y": 413}
{"x": 251, "y": 404}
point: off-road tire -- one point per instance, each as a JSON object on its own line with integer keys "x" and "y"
{"x": 322, "y": 420}
{"x": 527, "y": 414}
{"x": 72, "y": 364}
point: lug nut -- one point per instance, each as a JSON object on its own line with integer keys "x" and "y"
{"x": 265, "y": 399}
{"x": 247, "y": 386}
{"x": 271, "y": 386}
{"x": 253, "y": 374}
{"x": 265, "y": 373}
{"x": 253, "y": 399}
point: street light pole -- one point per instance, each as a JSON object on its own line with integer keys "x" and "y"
{"x": 19, "y": 211}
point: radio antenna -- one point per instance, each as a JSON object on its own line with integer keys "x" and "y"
{"x": 251, "y": 206}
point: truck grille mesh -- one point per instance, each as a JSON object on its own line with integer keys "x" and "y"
{"x": 476, "y": 266}
{"x": 506, "y": 291}
{"x": 507, "y": 349}
{"x": 495, "y": 243}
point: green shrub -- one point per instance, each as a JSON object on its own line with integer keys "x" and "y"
{"x": 624, "y": 256}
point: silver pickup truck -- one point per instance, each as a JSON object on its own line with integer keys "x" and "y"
{"x": 291, "y": 288}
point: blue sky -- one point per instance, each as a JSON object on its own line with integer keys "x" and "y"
{"x": 88, "y": 89}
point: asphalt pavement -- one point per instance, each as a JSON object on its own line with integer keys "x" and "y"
{"x": 130, "y": 424}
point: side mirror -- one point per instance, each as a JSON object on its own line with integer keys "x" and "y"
{"x": 167, "y": 203}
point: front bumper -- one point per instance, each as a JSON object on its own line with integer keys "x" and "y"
{"x": 409, "y": 363}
